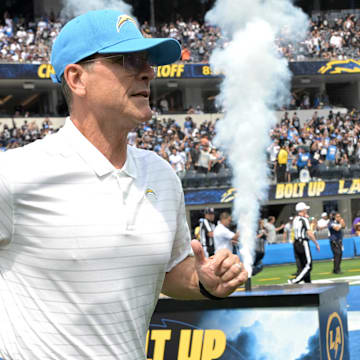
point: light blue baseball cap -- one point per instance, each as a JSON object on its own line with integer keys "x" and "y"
{"x": 107, "y": 32}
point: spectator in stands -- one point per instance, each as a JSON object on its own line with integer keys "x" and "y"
{"x": 194, "y": 154}
{"x": 291, "y": 163}
{"x": 355, "y": 221}
{"x": 273, "y": 150}
{"x": 189, "y": 125}
{"x": 185, "y": 54}
{"x": 216, "y": 160}
{"x": 315, "y": 158}
{"x": 145, "y": 28}
{"x": 295, "y": 121}
{"x": 331, "y": 153}
{"x": 281, "y": 163}
{"x": 203, "y": 164}
{"x": 302, "y": 159}
{"x": 177, "y": 162}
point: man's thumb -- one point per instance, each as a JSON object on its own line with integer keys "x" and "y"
{"x": 198, "y": 251}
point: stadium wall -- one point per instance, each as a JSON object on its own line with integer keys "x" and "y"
{"x": 179, "y": 118}
{"x": 284, "y": 254}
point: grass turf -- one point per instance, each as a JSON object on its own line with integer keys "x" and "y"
{"x": 280, "y": 274}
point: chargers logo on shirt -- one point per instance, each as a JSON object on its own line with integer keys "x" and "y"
{"x": 150, "y": 194}
{"x": 122, "y": 19}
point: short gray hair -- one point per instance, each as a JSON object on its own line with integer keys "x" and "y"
{"x": 66, "y": 92}
{"x": 66, "y": 89}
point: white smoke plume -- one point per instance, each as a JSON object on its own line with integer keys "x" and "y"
{"x": 256, "y": 78}
{"x": 72, "y": 8}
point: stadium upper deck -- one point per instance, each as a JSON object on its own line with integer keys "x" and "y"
{"x": 25, "y": 73}
{"x": 332, "y": 35}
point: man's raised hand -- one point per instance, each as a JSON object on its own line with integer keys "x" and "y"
{"x": 222, "y": 273}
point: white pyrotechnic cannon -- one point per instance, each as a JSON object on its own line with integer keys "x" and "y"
{"x": 256, "y": 81}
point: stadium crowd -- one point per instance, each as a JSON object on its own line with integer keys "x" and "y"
{"x": 330, "y": 140}
{"x": 15, "y": 136}
{"x": 331, "y": 36}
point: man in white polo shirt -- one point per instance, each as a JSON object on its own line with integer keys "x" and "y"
{"x": 224, "y": 238}
{"x": 323, "y": 222}
{"x": 92, "y": 230}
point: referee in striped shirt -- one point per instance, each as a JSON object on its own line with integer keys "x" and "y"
{"x": 302, "y": 234}
{"x": 207, "y": 228}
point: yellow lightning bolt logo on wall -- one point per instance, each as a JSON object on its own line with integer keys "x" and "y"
{"x": 340, "y": 67}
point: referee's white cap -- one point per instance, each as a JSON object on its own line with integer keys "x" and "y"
{"x": 301, "y": 206}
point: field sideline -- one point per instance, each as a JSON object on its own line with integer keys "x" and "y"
{"x": 280, "y": 274}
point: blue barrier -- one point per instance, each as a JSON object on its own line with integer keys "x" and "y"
{"x": 284, "y": 253}
{"x": 357, "y": 246}
{"x": 349, "y": 247}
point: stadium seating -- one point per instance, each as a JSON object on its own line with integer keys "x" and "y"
{"x": 32, "y": 35}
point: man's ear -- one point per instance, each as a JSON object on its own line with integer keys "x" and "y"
{"x": 75, "y": 76}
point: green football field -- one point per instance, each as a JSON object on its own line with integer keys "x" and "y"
{"x": 280, "y": 274}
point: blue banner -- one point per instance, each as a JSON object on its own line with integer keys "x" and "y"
{"x": 189, "y": 71}
{"x": 26, "y": 71}
{"x": 286, "y": 191}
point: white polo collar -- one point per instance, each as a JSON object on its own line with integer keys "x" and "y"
{"x": 92, "y": 156}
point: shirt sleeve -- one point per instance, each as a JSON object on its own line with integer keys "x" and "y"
{"x": 228, "y": 234}
{"x": 181, "y": 246}
{"x": 6, "y": 212}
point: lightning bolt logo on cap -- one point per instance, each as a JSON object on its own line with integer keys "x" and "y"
{"x": 122, "y": 19}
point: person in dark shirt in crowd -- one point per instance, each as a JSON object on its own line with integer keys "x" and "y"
{"x": 195, "y": 154}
